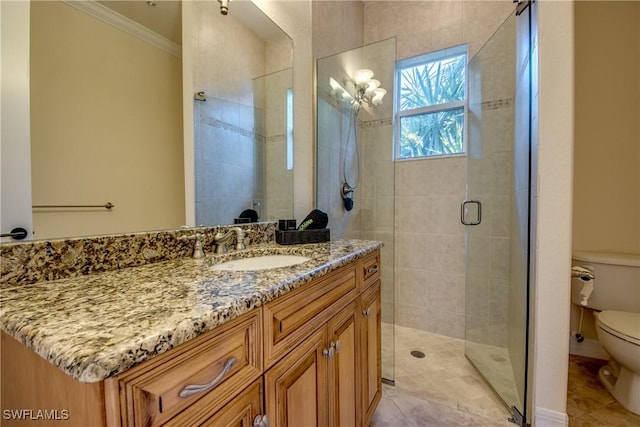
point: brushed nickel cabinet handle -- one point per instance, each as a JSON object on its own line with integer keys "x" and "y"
{"x": 372, "y": 270}
{"x": 328, "y": 351}
{"x": 367, "y": 312}
{"x": 192, "y": 389}
{"x": 261, "y": 421}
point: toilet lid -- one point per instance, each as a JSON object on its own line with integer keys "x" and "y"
{"x": 623, "y": 322}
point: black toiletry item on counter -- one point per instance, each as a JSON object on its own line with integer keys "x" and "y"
{"x": 316, "y": 220}
{"x": 249, "y": 213}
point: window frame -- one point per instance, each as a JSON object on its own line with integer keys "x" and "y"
{"x": 423, "y": 59}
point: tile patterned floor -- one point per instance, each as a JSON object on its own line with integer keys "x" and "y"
{"x": 444, "y": 389}
{"x": 441, "y": 389}
{"x": 589, "y": 404}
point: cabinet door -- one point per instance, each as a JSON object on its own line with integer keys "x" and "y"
{"x": 371, "y": 360}
{"x": 344, "y": 375}
{"x": 296, "y": 386}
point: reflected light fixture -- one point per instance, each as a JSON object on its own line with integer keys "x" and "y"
{"x": 363, "y": 88}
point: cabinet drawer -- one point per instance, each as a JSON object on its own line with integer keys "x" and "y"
{"x": 370, "y": 269}
{"x": 291, "y": 318}
{"x": 227, "y": 359}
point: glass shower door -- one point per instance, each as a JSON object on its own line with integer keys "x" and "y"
{"x": 496, "y": 212}
{"x": 354, "y": 148}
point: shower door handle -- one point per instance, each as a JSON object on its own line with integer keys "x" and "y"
{"x": 471, "y": 212}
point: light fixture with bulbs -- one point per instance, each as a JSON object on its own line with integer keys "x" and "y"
{"x": 364, "y": 88}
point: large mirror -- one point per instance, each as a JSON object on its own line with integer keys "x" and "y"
{"x": 106, "y": 112}
{"x": 243, "y": 130}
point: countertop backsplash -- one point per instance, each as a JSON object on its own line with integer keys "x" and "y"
{"x": 26, "y": 263}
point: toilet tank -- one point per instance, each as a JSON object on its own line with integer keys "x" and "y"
{"x": 617, "y": 280}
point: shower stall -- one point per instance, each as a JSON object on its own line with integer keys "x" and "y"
{"x": 355, "y": 168}
{"x": 359, "y": 153}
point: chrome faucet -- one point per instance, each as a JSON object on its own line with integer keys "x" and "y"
{"x": 222, "y": 239}
{"x": 198, "y": 251}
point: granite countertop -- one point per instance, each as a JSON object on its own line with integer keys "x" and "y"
{"x": 96, "y": 326}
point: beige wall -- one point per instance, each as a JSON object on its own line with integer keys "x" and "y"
{"x": 606, "y": 198}
{"x": 337, "y": 27}
{"x": 106, "y": 125}
{"x": 552, "y": 174}
{"x": 606, "y": 185}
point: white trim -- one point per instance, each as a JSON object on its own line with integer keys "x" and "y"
{"x": 548, "y": 418}
{"x": 188, "y": 89}
{"x": 432, "y": 109}
{"x": 127, "y": 25}
{"x": 588, "y": 348}
{"x": 434, "y": 56}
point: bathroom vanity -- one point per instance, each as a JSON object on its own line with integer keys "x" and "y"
{"x": 178, "y": 343}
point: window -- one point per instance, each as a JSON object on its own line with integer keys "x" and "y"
{"x": 290, "y": 129}
{"x": 431, "y": 104}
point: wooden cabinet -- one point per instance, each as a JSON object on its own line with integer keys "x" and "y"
{"x": 316, "y": 384}
{"x": 240, "y": 412}
{"x": 371, "y": 358}
{"x": 187, "y": 384}
{"x": 296, "y": 387}
{"x": 309, "y": 358}
{"x": 330, "y": 377}
{"x": 344, "y": 375}
{"x": 294, "y": 316}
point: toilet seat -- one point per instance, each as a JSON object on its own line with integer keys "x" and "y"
{"x": 625, "y": 325}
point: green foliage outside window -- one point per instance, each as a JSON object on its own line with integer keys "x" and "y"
{"x": 431, "y": 108}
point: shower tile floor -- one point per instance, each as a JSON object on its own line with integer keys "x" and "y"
{"x": 441, "y": 389}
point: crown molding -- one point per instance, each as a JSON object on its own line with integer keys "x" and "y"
{"x": 127, "y": 25}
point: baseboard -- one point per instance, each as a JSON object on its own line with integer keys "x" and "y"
{"x": 587, "y": 348}
{"x": 548, "y": 418}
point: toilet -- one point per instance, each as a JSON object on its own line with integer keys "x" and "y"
{"x": 616, "y": 297}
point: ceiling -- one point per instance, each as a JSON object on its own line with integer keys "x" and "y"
{"x": 164, "y": 17}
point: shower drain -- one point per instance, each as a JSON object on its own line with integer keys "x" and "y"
{"x": 417, "y": 354}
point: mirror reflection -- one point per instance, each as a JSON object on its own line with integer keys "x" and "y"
{"x": 107, "y": 116}
{"x": 242, "y": 133}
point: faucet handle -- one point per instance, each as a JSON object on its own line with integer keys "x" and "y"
{"x": 239, "y": 238}
{"x": 198, "y": 250}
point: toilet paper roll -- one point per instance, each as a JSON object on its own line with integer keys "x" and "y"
{"x": 585, "y": 292}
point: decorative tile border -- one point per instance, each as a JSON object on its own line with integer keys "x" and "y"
{"x": 376, "y": 123}
{"x": 496, "y": 104}
{"x": 47, "y": 260}
{"x": 231, "y": 128}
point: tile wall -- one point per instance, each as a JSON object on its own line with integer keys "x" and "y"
{"x": 429, "y": 241}
{"x": 238, "y": 134}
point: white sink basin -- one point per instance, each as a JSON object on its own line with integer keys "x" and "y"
{"x": 264, "y": 262}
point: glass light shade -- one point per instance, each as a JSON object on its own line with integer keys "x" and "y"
{"x": 335, "y": 86}
{"x": 363, "y": 76}
{"x": 373, "y": 84}
{"x": 378, "y": 95}
{"x": 336, "y": 89}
